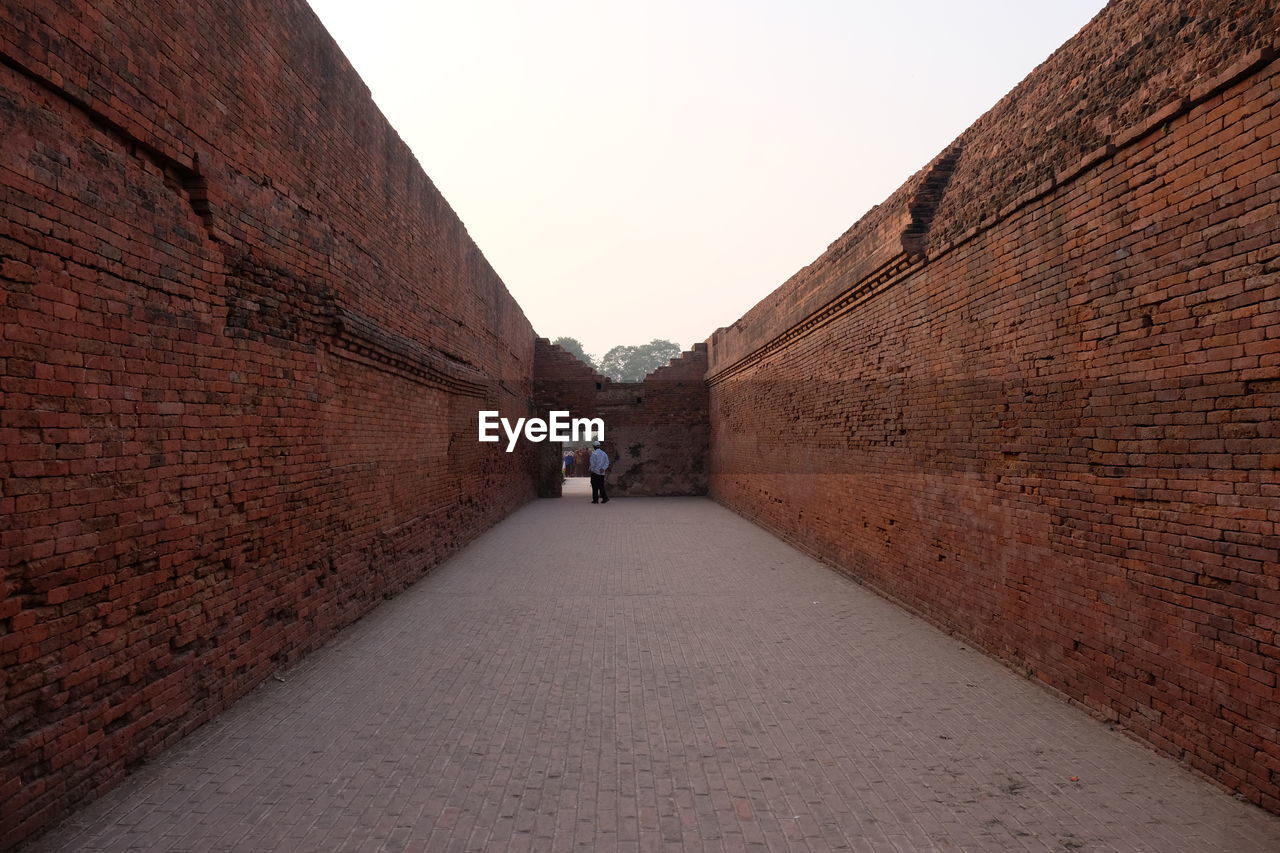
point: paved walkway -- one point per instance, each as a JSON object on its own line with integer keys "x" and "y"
{"x": 655, "y": 673}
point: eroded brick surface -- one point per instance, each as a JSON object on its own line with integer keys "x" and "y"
{"x": 1056, "y": 433}
{"x": 656, "y": 431}
{"x": 243, "y": 344}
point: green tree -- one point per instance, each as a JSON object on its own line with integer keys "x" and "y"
{"x": 634, "y": 363}
{"x": 573, "y": 345}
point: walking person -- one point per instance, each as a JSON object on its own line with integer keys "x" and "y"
{"x": 598, "y": 465}
{"x": 568, "y": 463}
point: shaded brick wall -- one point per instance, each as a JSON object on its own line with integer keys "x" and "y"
{"x": 656, "y": 431}
{"x": 1044, "y": 413}
{"x": 244, "y": 340}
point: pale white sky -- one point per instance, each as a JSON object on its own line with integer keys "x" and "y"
{"x": 652, "y": 170}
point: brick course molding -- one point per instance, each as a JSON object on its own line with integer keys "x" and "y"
{"x": 1033, "y": 396}
{"x": 244, "y": 343}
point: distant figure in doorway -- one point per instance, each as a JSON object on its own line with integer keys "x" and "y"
{"x": 599, "y": 464}
{"x": 568, "y": 463}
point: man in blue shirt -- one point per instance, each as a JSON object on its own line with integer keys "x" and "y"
{"x": 598, "y": 464}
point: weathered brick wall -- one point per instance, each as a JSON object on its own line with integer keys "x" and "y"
{"x": 660, "y": 429}
{"x": 244, "y": 340}
{"x": 656, "y": 431}
{"x": 1048, "y": 419}
{"x": 562, "y": 382}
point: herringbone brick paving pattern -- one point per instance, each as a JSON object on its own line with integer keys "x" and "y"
{"x": 654, "y": 674}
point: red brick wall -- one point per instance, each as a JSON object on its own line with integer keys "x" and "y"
{"x": 656, "y": 431}
{"x": 243, "y": 343}
{"x": 1051, "y": 422}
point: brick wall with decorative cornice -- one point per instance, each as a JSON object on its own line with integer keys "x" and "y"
{"x": 243, "y": 340}
{"x": 1035, "y": 395}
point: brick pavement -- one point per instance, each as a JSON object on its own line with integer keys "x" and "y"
{"x": 655, "y": 673}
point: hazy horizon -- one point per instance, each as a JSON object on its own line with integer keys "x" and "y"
{"x": 633, "y": 176}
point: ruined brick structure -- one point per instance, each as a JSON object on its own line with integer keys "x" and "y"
{"x": 1033, "y": 395}
{"x": 657, "y": 431}
{"x": 244, "y": 343}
